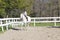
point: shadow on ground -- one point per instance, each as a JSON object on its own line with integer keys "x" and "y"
{"x": 54, "y": 27}
{"x": 17, "y": 29}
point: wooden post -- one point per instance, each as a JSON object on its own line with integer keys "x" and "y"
{"x": 12, "y": 23}
{"x": 2, "y": 29}
{"x": 55, "y": 22}
{"x": 34, "y": 22}
{"x": 2, "y": 26}
{"x": 7, "y": 25}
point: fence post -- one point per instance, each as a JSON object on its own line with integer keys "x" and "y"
{"x": 55, "y": 22}
{"x": 9, "y": 20}
{"x": 12, "y": 23}
{"x": 2, "y": 26}
{"x": 7, "y": 24}
{"x": 34, "y": 22}
{"x": 2, "y": 29}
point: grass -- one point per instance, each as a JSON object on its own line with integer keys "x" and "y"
{"x": 58, "y": 24}
{"x": 36, "y": 24}
{"x": 5, "y": 28}
{"x": 44, "y": 24}
{"x": 1, "y": 30}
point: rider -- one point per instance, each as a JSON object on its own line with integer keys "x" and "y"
{"x": 25, "y": 18}
{"x": 25, "y": 14}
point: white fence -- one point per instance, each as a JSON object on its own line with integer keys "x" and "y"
{"x": 45, "y": 20}
{"x": 9, "y": 21}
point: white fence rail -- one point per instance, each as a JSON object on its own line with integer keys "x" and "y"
{"x": 45, "y": 20}
{"x": 9, "y": 21}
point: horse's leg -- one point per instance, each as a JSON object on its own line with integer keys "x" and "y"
{"x": 28, "y": 24}
{"x": 25, "y": 24}
{"x": 22, "y": 23}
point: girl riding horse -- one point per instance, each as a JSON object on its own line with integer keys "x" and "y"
{"x": 26, "y": 19}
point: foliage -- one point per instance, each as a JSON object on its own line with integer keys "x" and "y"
{"x": 13, "y": 8}
{"x": 2, "y": 8}
{"x": 44, "y": 8}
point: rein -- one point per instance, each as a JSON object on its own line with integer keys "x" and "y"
{"x": 26, "y": 17}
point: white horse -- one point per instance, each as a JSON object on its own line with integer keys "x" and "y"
{"x": 25, "y": 20}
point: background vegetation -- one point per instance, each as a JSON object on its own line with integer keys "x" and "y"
{"x": 13, "y": 8}
{"x": 35, "y": 8}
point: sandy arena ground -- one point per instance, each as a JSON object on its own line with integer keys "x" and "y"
{"x": 31, "y": 33}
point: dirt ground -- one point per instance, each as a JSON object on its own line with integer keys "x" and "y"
{"x": 31, "y": 33}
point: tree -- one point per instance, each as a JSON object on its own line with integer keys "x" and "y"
{"x": 46, "y": 8}
{"x": 14, "y": 7}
